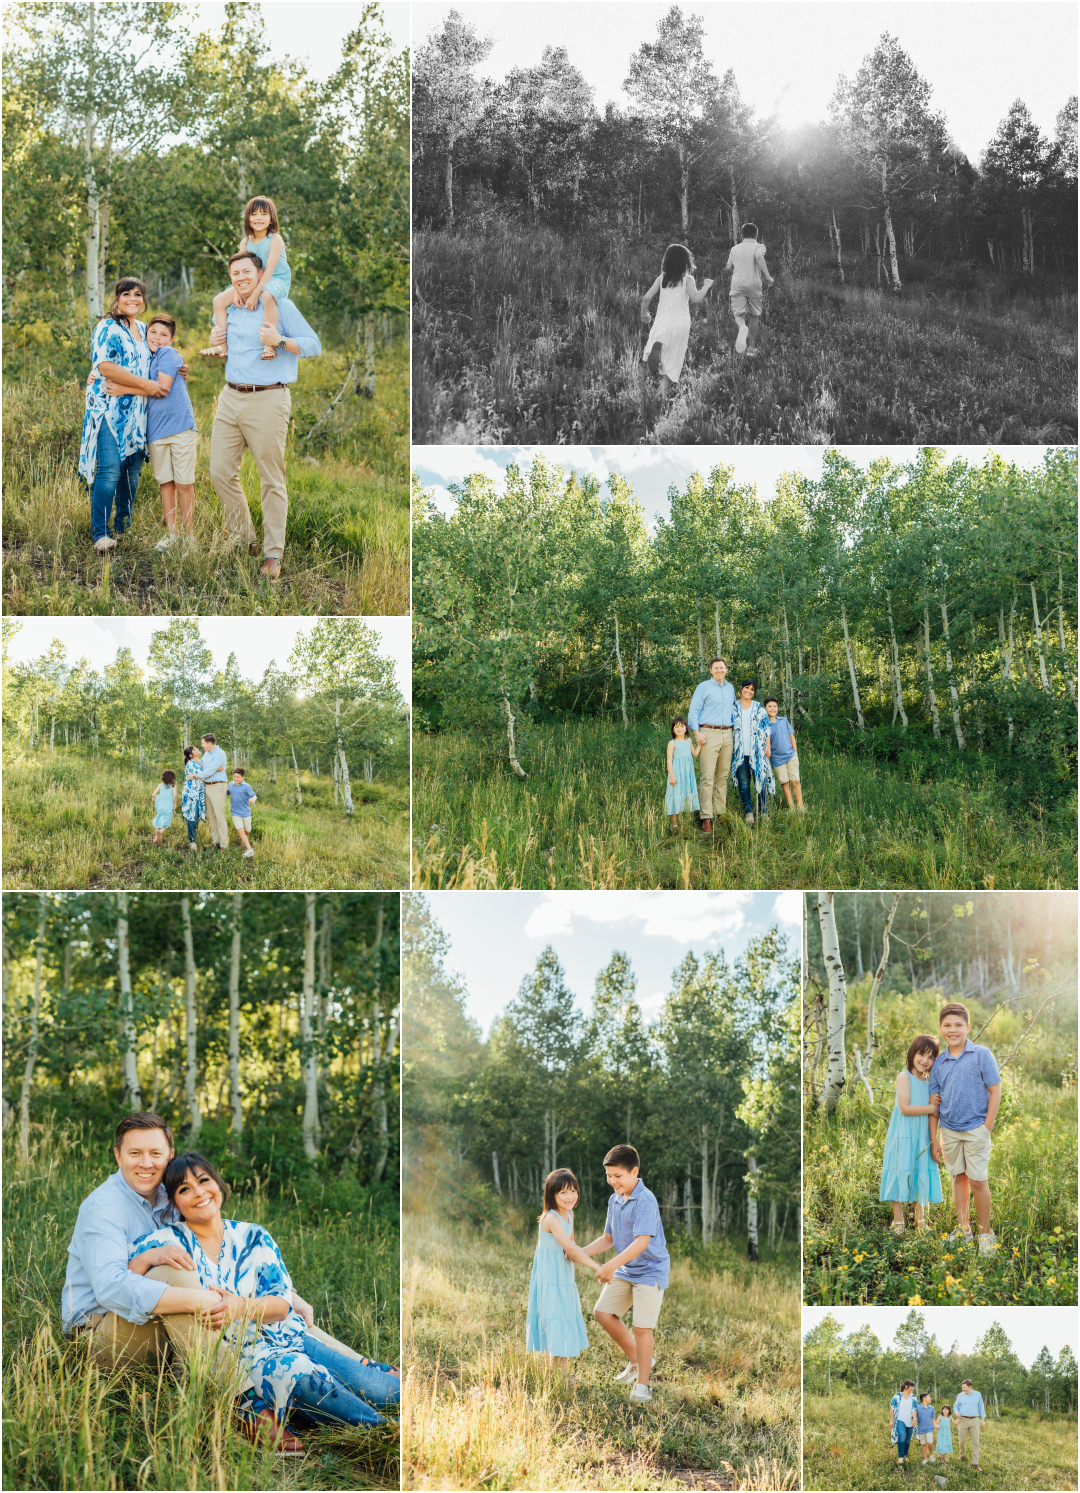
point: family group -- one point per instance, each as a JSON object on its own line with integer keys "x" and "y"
{"x": 915, "y": 1419}
{"x": 138, "y": 406}
{"x": 206, "y": 791}
{"x": 155, "y": 1274}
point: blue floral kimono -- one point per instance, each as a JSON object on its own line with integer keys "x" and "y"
{"x": 125, "y": 414}
{"x": 759, "y": 763}
{"x": 272, "y": 1353}
{"x": 193, "y": 800}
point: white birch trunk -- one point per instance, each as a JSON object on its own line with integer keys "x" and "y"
{"x": 622, "y": 674}
{"x": 32, "y": 1049}
{"x": 716, "y": 621}
{"x": 510, "y": 747}
{"x": 879, "y": 974}
{"x": 296, "y": 773}
{"x": 836, "y": 1031}
{"x": 700, "y": 638}
{"x": 1039, "y": 641}
{"x": 931, "y": 697}
{"x": 851, "y": 669}
{"x": 191, "y": 1098}
{"x": 94, "y": 298}
{"x": 1061, "y": 634}
{"x": 751, "y": 1209}
{"x": 495, "y": 1171}
{"x": 953, "y": 696}
{"x": 310, "y": 1126}
{"x": 346, "y": 789}
{"x": 706, "y": 1205}
{"x": 237, "y": 1124}
{"x": 132, "y": 1092}
{"x": 898, "y": 688}
{"x": 890, "y": 236}
{"x": 836, "y": 236}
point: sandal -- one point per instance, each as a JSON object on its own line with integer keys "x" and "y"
{"x": 267, "y": 352}
{"x": 213, "y": 352}
{"x": 897, "y": 1228}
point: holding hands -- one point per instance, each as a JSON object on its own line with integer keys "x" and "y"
{"x": 606, "y": 1273}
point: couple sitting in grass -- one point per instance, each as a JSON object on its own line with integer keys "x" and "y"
{"x": 736, "y": 738}
{"x": 155, "y": 1271}
{"x": 204, "y": 797}
{"x": 635, "y": 1279}
{"x": 912, "y": 1418}
{"x": 946, "y": 1105}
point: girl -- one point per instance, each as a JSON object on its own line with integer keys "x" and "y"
{"x": 164, "y": 800}
{"x": 943, "y": 1426}
{"x": 193, "y": 802}
{"x": 262, "y": 238}
{"x": 751, "y": 748}
{"x": 908, "y": 1173}
{"x": 555, "y": 1325}
{"x": 665, "y": 346}
{"x": 682, "y": 783}
{"x": 902, "y": 1417}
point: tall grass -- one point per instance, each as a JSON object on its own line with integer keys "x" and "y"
{"x": 591, "y": 814}
{"x": 481, "y": 1413}
{"x": 70, "y": 822}
{"x": 69, "y": 1424}
{"x": 523, "y": 334}
{"x": 846, "y": 1445}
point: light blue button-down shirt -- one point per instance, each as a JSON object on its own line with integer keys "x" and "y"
{"x": 963, "y": 1083}
{"x": 98, "y": 1279}
{"x": 626, "y": 1219}
{"x": 712, "y": 703}
{"x": 212, "y": 767}
{"x": 969, "y": 1404}
{"x": 244, "y": 365}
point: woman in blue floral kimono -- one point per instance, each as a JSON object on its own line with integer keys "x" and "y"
{"x": 285, "y": 1366}
{"x": 751, "y": 747}
{"x": 193, "y": 801}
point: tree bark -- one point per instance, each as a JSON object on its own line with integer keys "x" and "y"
{"x": 191, "y": 1072}
{"x": 310, "y": 1126}
{"x": 1044, "y": 678}
{"x": 296, "y": 773}
{"x": 890, "y": 236}
{"x": 931, "y": 697}
{"x": 132, "y": 1092}
{"x": 510, "y": 746}
{"x": 237, "y": 1123}
{"x": 898, "y": 689}
{"x": 953, "y": 696}
{"x": 836, "y": 237}
{"x": 879, "y": 975}
{"x": 622, "y": 674}
{"x": 836, "y": 1031}
{"x": 32, "y": 1049}
{"x": 751, "y": 1209}
{"x": 851, "y": 669}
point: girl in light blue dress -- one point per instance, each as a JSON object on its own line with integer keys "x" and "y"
{"x": 944, "y": 1432}
{"x": 909, "y": 1173}
{"x": 164, "y": 801}
{"x": 555, "y": 1325}
{"x": 261, "y": 237}
{"x": 681, "y": 779}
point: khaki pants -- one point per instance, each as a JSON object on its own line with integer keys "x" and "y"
{"x": 114, "y": 1340}
{"x": 967, "y": 1425}
{"x": 715, "y": 762}
{"x": 257, "y": 423}
{"x": 216, "y": 818}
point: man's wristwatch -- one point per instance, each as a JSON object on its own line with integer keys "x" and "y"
{"x": 281, "y": 342}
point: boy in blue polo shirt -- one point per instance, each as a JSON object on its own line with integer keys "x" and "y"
{"x": 638, "y": 1275}
{"x": 172, "y": 440}
{"x": 968, "y": 1080}
{"x": 783, "y": 753}
{"x": 241, "y": 797}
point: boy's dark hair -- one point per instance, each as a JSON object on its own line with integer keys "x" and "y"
{"x": 751, "y": 682}
{"x": 924, "y": 1396}
{"x": 166, "y": 321}
{"x": 209, "y": 736}
{"x": 267, "y": 206}
{"x": 954, "y": 1008}
{"x": 676, "y": 721}
{"x": 190, "y": 1161}
{"x": 623, "y": 1156}
{"x": 922, "y": 1043}
{"x": 142, "y": 1120}
{"x": 676, "y": 264}
{"x": 129, "y": 282}
{"x": 168, "y": 776}
{"x": 245, "y": 254}
{"x": 239, "y": 770}
{"x": 772, "y": 698}
{"x": 555, "y": 1182}
{"x": 749, "y": 230}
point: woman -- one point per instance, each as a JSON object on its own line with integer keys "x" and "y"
{"x": 286, "y": 1367}
{"x": 902, "y": 1418}
{"x": 751, "y": 748}
{"x": 193, "y": 801}
{"x": 114, "y": 429}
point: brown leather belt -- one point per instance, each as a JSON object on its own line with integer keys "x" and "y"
{"x": 705, "y": 726}
{"x": 253, "y": 388}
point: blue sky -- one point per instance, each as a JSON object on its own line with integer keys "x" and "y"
{"x": 495, "y": 937}
{"x": 1029, "y": 1327}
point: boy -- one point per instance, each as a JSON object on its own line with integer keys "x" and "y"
{"x": 748, "y": 272}
{"x": 241, "y": 797}
{"x": 925, "y": 1413}
{"x": 638, "y": 1275}
{"x": 969, "y": 1083}
{"x": 785, "y": 756}
{"x": 172, "y": 441}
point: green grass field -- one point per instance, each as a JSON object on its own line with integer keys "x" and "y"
{"x": 347, "y": 541}
{"x": 591, "y": 814}
{"x": 481, "y": 1413}
{"x": 545, "y": 347}
{"x": 73, "y": 823}
{"x": 69, "y": 1425}
{"x": 846, "y": 1445}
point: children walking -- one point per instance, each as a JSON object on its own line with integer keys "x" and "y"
{"x": 908, "y": 1171}
{"x": 943, "y": 1426}
{"x": 784, "y": 755}
{"x": 924, "y": 1412}
{"x": 681, "y": 780}
{"x": 164, "y": 800}
{"x": 669, "y": 333}
{"x": 241, "y": 797}
{"x": 967, "y": 1081}
{"x": 172, "y": 439}
{"x": 261, "y": 237}
{"x": 749, "y": 275}
{"x": 555, "y": 1324}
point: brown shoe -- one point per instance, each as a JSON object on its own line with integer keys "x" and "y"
{"x": 706, "y": 826}
{"x": 253, "y": 549}
{"x": 272, "y": 569}
{"x": 265, "y": 1432}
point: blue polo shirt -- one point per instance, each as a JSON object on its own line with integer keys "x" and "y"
{"x": 626, "y": 1219}
{"x": 963, "y": 1082}
{"x": 712, "y": 703}
{"x": 969, "y": 1404}
{"x": 171, "y": 415}
{"x": 783, "y": 748}
{"x": 926, "y": 1418}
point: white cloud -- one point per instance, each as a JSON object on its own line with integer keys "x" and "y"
{"x": 788, "y": 908}
{"x": 549, "y": 918}
{"x": 684, "y": 917}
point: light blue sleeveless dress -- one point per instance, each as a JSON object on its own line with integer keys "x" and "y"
{"x": 554, "y": 1324}
{"x": 908, "y": 1172}
{"x": 163, "y": 806}
{"x": 280, "y": 281}
{"x": 944, "y": 1435}
{"x": 684, "y": 794}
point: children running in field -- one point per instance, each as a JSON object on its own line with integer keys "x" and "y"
{"x": 163, "y": 799}
{"x": 967, "y": 1083}
{"x": 943, "y": 1426}
{"x": 261, "y": 237}
{"x": 555, "y": 1324}
{"x": 241, "y": 797}
{"x": 749, "y": 276}
{"x": 909, "y": 1172}
{"x": 681, "y": 780}
{"x": 669, "y": 333}
{"x": 784, "y": 755}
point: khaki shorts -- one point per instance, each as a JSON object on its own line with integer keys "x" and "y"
{"x": 788, "y": 772}
{"x": 926, "y": 1437}
{"x": 241, "y": 821}
{"x": 966, "y": 1151}
{"x": 746, "y": 304}
{"x": 618, "y": 1296}
{"x": 172, "y": 459}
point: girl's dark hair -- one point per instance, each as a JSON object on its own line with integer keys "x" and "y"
{"x": 168, "y": 776}
{"x": 190, "y": 1161}
{"x": 554, "y": 1182}
{"x": 943, "y": 1408}
{"x": 922, "y": 1043}
{"x": 129, "y": 282}
{"x": 188, "y": 751}
{"x": 267, "y": 207}
{"x": 680, "y": 720}
{"x": 677, "y": 262}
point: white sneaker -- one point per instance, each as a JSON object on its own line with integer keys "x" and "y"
{"x": 987, "y": 1244}
{"x": 249, "y": 855}
{"x": 740, "y": 340}
{"x": 753, "y": 352}
{"x": 641, "y": 1394}
{"x": 628, "y": 1375}
{"x": 167, "y": 542}
{"x": 104, "y": 543}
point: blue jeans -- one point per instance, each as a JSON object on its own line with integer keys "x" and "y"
{"x": 192, "y": 826}
{"x": 113, "y": 478}
{"x": 357, "y": 1387}
{"x": 903, "y": 1439}
{"x": 744, "y": 779}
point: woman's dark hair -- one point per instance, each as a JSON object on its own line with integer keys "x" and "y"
{"x": 129, "y": 282}
{"x": 922, "y": 1043}
{"x": 267, "y": 207}
{"x": 554, "y": 1183}
{"x": 680, "y": 720}
{"x": 677, "y": 262}
{"x": 751, "y": 682}
{"x": 189, "y": 752}
{"x": 190, "y": 1161}
{"x": 907, "y": 1384}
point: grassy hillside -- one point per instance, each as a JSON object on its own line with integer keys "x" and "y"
{"x": 70, "y": 822}
{"x": 846, "y": 1445}
{"x": 545, "y": 345}
{"x": 347, "y": 542}
{"x": 591, "y": 814}
{"x": 481, "y": 1413}
{"x": 69, "y": 1425}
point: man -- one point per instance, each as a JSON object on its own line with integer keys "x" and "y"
{"x": 712, "y": 711}
{"x": 968, "y": 1411}
{"x": 212, "y": 771}
{"x": 253, "y": 415}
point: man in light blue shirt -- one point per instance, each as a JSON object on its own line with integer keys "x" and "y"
{"x": 712, "y": 711}
{"x": 968, "y": 1411}
{"x": 254, "y": 409}
{"x": 212, "y": 771}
